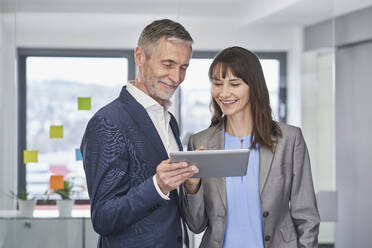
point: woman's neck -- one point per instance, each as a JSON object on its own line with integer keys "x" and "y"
{"x": 239, "y": 125}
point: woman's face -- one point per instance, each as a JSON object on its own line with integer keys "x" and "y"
{"x": 231, "y": 93}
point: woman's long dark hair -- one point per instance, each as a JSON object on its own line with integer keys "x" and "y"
{"x": 246, "y": 65}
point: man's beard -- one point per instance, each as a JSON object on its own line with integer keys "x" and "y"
{"x": 153, "y": 88}
{"x": 155, "y": 91}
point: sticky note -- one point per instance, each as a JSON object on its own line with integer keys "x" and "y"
{"x": 56, "y": 132}
{"x": 84, "y": 103}
{"x": 58, "y": 169}
{"x": 78, "y": 154}
{"x": 56, "y": 182}
{"x": 29, "y": 156}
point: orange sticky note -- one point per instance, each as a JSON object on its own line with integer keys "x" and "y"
{"x": 56, "y": 182}
{"x": 29, "y": 156}
{"x": 56, "y": 132}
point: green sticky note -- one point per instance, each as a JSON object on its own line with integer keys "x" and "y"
{"x": 84, "y": 103}
{"x": 56, "y": 132}
{"x": 29, "y": 156}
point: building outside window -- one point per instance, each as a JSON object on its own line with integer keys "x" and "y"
{"x": 64, "y": 92}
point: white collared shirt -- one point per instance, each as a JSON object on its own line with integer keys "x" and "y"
{"x": 160, "y": 118}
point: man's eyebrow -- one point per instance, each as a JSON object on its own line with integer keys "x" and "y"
{"x": 168, "y": 61}
{"x": 172, "y": 61}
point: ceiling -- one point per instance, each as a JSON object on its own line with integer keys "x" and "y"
{"x": 239, "y": 12}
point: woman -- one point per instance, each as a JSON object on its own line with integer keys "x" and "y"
{"x": 274, "y": 205}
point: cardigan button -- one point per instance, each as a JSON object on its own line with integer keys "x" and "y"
{"x": 265, "y": 214}
{"x": 267, "y": 237}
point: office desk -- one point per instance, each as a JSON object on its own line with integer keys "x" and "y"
{"x": 46, "y": 229}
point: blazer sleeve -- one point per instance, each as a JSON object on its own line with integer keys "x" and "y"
{"x": 304, "y": 209}
{"x": 115, "y": 203}
{"x": 193, "y": 208}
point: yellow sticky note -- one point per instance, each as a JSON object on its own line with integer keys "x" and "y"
{"x": 56, "y": 182}
{"x": 56, "y": 132}
{"x": 29, "y": 156}
{"x": 84, "y": 103}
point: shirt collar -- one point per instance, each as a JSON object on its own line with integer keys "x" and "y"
{"x": 142, "y": 98}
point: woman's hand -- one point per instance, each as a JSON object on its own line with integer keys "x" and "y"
{"x": 192, "y": 184}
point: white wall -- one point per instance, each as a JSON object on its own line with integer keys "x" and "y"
{"x": 8, "y": 110}
{"x": 353, "y": 145}
{"x": 294, "y": 78}
{"x": 122, "y": 31}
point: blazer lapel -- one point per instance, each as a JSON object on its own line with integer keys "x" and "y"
{"x": 143, "y": 121}
{"x": 266, "y": 160}
{"x": 217, "y": 142}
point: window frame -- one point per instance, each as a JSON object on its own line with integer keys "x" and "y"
{"x": 22, "y": 54}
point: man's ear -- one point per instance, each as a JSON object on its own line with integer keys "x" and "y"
{"x": 139, "y": 56}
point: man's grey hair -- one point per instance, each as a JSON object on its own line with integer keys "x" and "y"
{"x": 158, "y": 29}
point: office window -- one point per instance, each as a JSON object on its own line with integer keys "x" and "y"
{"x": 195, "y": 94}
{"x": 51, "y": 81}
{"x": 63, "y": 92}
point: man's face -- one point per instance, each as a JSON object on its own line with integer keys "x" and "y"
{"x": 164, "y": 69}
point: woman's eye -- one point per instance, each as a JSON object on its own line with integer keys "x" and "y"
{"x": 235, "y": 85}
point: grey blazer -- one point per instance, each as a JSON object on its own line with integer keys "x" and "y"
{"x": 289, "y": 209}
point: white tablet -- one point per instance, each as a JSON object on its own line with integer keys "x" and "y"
{"x": 215, "y": 163}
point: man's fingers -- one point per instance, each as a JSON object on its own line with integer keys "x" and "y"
{"x": 182, "y": 175}
{"x": 171, "y": 166}
{"x": 171, "y": 175}
{"x": 168, "y": 177}
{"x": 179, "y": 179}
{"x": 172, "y": 179}
{"x": 176, "y": 172}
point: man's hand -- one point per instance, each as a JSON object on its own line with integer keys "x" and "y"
{"x": 170, "y": 175}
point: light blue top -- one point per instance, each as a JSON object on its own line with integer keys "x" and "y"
{"x": 244, "y": 217}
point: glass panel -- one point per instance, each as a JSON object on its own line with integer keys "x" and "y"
{"x": 53, "y": 87}
{"x": 195, "y": 99}
{"x": 271, "y": 72}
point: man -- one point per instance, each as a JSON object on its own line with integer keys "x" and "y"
{"x": 131, "y": 183}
